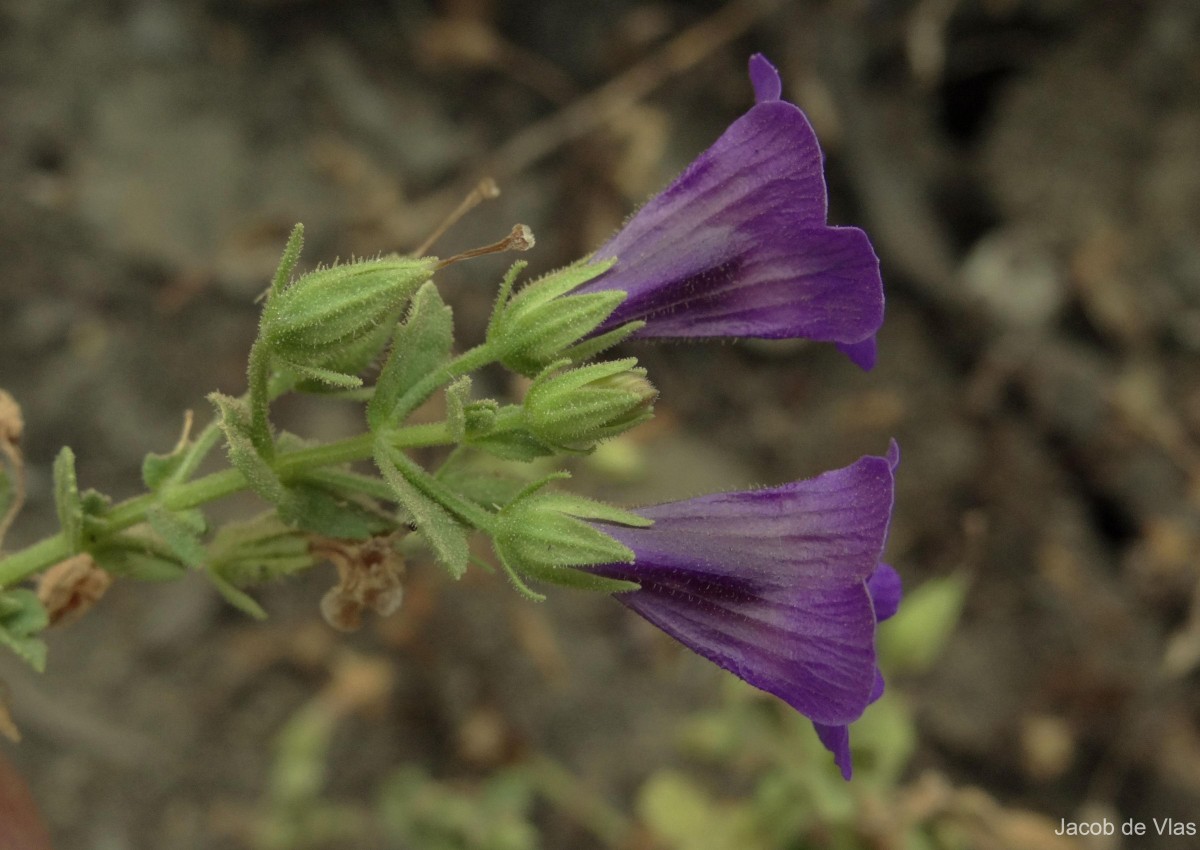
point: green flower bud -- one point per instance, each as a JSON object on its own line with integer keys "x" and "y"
{"x": 337, "y": 319}
{"x": 542, "y": 320}
{"x": 577, "y": 408}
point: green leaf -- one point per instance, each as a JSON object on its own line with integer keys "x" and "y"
{"x": 445, "y": 535}
{"x": 259, "y": 550}
{"x": 22, "y": 618}
{"x": 916, "y": 635}
{"x": 181, "y": 531}
{"x": 488, "y": 489}
{"x": 138, "y": 557}
{"x": 457, "y": 396}
{"x": 237, "y": 598}
{"x": 517, "y": 444}
{"x": 94, "y": 503}
{"x": 66, "y": 499}
{"x": 323, "y": 511}
{"x": 157, "y": 469}
{"x": 421, "y": 345}
{"x": 235, "y": 423}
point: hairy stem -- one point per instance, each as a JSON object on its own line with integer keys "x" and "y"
{"x": 24, "y": 563}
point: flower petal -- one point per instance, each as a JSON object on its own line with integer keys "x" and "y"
{"x": 765, "y": 79}
{"x": 822, "y": 532}
{"x": 884, "y": 587}
{"x": 738, "y": 244}
{"x": 812, "y": 648}
{"x": 861, "y": 354}
{"x": 771, "y": 584}
{"x": 837, "y": 740}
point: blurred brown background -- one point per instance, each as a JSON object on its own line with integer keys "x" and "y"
{"x": 1029, "y": 171}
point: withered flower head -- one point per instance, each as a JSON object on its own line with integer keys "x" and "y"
{"x": 370, "y": 575}
{"x": 71, "y": 587}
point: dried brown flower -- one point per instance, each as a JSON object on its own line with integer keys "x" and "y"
{"x": 69, "y": 588}
{"x": 370, "y": 575}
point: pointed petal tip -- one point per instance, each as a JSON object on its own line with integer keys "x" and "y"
{"x": 893, "y": 453}
{"x": 861, "y": 354}
{"x": 836, "y": 739}
{"x": 765, "y": 79}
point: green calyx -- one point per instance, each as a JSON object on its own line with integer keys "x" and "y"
{"x": 534, "y": 327}
{"x": 542, "y": 535}
{"x": 576, "y": 408}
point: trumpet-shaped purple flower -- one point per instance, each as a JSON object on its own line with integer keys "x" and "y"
{"x": 738, "y": 245}
{"x": 781, "y": 586}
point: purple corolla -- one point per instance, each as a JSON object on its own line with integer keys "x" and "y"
{"x": 738, "y": 245}
{"x": 781, "y": 586}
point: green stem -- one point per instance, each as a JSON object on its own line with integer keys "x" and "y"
{"x": 20, "y": 565}
{"x": 470, "y": 360}
{"x": 24, "y": 563}
{"x": 203, "y": 444}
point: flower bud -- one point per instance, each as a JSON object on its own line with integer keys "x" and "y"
{"x": 541, "y": 321}
{"x": 324, "y": 319}
{"x": 577, "y": 408}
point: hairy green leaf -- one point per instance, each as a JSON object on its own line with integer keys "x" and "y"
{"x": 237, "y": 598}
{"x": 445, "y": 535}
{"x": 321, "y": 510}
{"x": 420, "y": 346}
{"x": 181, "y": 531}
{"x": 66, "y": 499}
{"x": 22, "y": 619}
{"x": 235, "y": 423}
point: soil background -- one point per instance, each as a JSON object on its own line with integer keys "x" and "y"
{"x": 1029, "y": 173}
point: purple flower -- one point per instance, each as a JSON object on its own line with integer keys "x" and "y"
{"x": 781, "y": 586}
{"x": 738, "y": 244}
